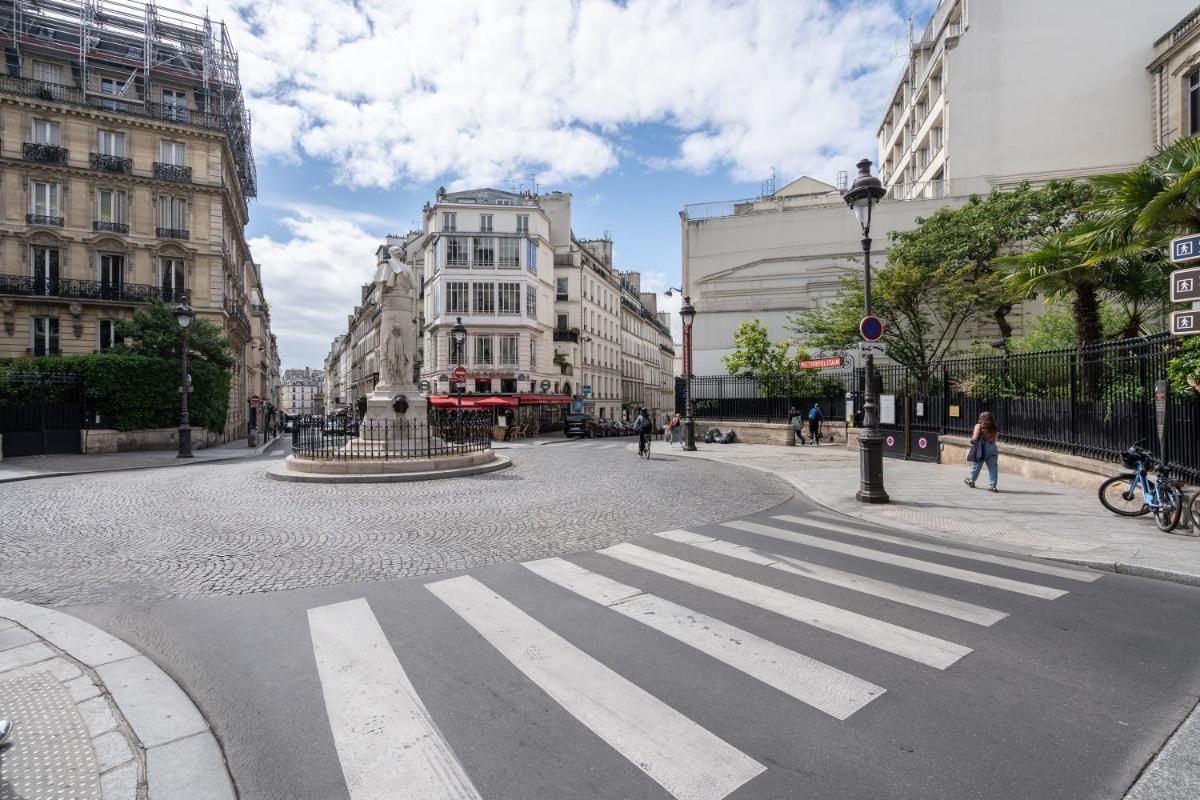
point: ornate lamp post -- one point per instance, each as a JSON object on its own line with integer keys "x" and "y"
{"x": 183, "y": 315}
{"x": 864, "y": 194}
{"x": 458, "y": 334}
{"x": 687, "y": 313}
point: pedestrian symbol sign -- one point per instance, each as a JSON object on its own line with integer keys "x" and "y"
{"x": 1185, "y": 323}
{"x": 1185, "y": 285}
{"x": 1185, "y": 248}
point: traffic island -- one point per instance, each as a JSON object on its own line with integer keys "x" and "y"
{"x": 301, "y": 470}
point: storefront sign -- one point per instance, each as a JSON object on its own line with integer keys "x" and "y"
{"x": 832, "y": 362}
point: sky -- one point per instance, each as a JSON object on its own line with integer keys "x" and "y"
{"x": 362, "y": 108}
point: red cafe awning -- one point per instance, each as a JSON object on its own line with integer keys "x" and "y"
{"x": 544, "y": 399}
{"x": 496, "y": 402}
{"x": 445, "y": 401}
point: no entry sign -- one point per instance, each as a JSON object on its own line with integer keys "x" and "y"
{"x": 460, "y": 373}
{"x": 871, "y": 328}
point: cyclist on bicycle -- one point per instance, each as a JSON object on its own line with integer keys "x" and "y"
{"x": 642, "y": 427}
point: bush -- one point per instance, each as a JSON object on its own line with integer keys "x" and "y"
{"x": 132, "y": 392}
{"x": 1184, "y": 371}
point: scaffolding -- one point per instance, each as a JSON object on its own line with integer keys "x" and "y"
{"x": 136, "y": 47}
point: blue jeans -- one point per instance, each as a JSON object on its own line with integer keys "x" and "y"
{"x": 990, "y": 454}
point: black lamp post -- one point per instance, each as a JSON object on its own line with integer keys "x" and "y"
{"x": 687, "y": 313}
{"x": 183, "y": 315}
{"x": 459, "y": 335}
{"x": 864, "y": 194}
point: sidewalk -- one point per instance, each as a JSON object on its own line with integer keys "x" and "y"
{"x": 1027, "y": 516}
{"x": 94, "y": 719}
{"x": 55, "y": 466}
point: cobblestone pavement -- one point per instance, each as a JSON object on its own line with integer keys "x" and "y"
{"x": 226, "y": 529}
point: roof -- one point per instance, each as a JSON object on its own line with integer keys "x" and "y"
{"x": 805, "y": 185}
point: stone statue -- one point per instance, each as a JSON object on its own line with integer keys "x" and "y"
{"x": 394, "y": 284}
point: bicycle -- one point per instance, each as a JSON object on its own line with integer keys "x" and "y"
{"x": 644, "y": 448}
{"x": 1194, "y": 511}
{"x": 1162, "y": 496}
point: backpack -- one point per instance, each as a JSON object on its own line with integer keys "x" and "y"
{"x": 641, "y": 424}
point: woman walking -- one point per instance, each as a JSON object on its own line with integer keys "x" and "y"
{"x": 983, "y": 450}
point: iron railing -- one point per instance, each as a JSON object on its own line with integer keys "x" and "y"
{"x": 74, "y": 289}
{"x": 235, "y": 311}
{"x": 172, "y": 172}
{"x": 444, "y": 432}
{"x": 107, "y": 163}
{"x": 1095, "y": 401}
{"x": 561, "y": 335}
{"x": 44, "y": 219}
{"x": 44, "y": 153}
{"x": 171, "y": 233}
{"x": 110, "y": 227}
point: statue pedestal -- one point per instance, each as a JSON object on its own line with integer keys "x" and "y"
{"x": 405, "y": 434}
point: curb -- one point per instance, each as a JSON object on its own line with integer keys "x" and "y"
{"x": 181, "y": 754}
{"x": 1173, "y": 773}
{"x": 258, "y": 451}
{"x": 1154, "y": 573}
{"x": 280, "y": 472}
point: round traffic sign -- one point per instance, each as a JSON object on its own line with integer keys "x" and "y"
{"x": 891, "y": 441}
{"x": 922, "y": 443}
{"x": 460, "y": 373}
{"x": 255, "y": 400}
{"x": 871, "y": 328}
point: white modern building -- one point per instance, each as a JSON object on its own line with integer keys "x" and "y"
{"x": 300, "y": 390}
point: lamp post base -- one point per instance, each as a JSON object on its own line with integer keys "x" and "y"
{"x": 689, "y": 428}
{"x": 185, "y": 442}
{"x": 870, "y": 461}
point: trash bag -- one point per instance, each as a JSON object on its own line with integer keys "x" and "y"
{"x": 712, "y": 436}
{"x": 728, "y": 438}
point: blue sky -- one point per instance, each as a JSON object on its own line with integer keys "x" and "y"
{"x": 362, "y": 109}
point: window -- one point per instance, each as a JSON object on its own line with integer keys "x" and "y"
{"x": 45, "y": 336}
{"x": 522, "y": 223}
{"x": 531, "y": 302}
{"x": 1193, "y": 94}
{"x": 456, "y": 251}
{"x": 45, "y": 132}
{"x": 172, "y": 213}
{"x": 510, "y": 298}
{"x": 172, "y": 153}
{"x": 483, "y": 385}
{"x": 43, "y": 199}
{"x": 110, "y": 206}
{"x": 532, "y": 353}
{"x": 174, "y": 105}
{"x": 449, "y": 221}
{"x": 485, "y": 223}
{"x": 174, "y": 285}
{"x": 43, "y": 268}
{"x": 484, "y": 251}
{"x": 47, "y": 73}
{"x": 110, "y": 143}
{"x": 115, "y": 88}
{"x": 509, "y": 258}
{"x": 483, "y": 350}
{"x": 483, "y": 297}
{"x": 107, "y": 334}
{"x": 508, "y": 350}
{"x": 531, "y": 255}
{"x": 508, "y": 385}
{"x": 560, "y": 292}
{"x": 456, "y": 297}
{"x": 563, "y": 323}
{"x": 112, "y": 275}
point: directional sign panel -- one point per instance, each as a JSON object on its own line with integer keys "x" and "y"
{"x": 1185, "y": 285}
{"x": 1185, "y": 323}
{"x": 1185, "y": 248}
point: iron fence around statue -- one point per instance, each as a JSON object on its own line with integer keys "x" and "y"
{"x": 1095, "y": 401}
{"x": 444, "y": 432}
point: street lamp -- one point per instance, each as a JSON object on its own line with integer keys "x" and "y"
{"x": 459, "y": 335}
{"x": 183, "y": 315}
{"x": 687, "y": 313}
{"x": 864, "y": 194}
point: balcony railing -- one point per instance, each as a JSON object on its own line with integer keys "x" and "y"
{"x": 172, "y": 172}
{"x": 44, "y": 153}
{"x": 73, "y": 289}
{"x": 561, "y": 335}
{"x": 43, "y": 219}
{"x": 234, "y": 310}
{"x": 107, "y": 163}
{"x": 60, "y": 93}
{"x": 171, "y": 233}
{"x": 110, "y": 227}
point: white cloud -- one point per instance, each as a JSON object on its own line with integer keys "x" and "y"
{"x": 476, "y": 91}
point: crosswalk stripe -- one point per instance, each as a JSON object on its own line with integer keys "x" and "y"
{"x": 980, "y": 578}
{"x": 1082, "y": 575}
{"x": 610, "y": 446}
{"x": 819, "y": 685}
{"x": 910, "y": 644}
{"x": 936, "y": 603}
{"x": 684, "y": 758}
{"x": 384, "y": 735}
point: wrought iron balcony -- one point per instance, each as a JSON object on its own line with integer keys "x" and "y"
{"x": 43, "y": 219}
{"x": 172, "y": 172}
{"x": 111, "y": 227}
{"x": 107, "y": 163}
{"x": 73, "y": 289}
{"x": 171, "y": 233}
{"x": 234, "y": 310}
{"x": 44, "y": 153}
{"x": 566, "y": 335}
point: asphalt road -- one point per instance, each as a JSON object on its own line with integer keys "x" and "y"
{"x": 810, "y": 662}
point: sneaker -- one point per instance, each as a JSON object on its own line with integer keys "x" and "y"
{"x": 6, "y": 729}
{"x": 969, "y": 482}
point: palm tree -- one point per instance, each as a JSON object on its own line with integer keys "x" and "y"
{"x": 1140, "y": 285}
{"x": 1056, "y": 267}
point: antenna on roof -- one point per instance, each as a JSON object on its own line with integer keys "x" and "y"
{"x": 843, "y": 181}
{"x": 768, "y": 186}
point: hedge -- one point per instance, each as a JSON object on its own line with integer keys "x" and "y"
{"x": 135, "y": 392}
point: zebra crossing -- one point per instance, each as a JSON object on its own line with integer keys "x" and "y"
{"x": 385, "y": 735}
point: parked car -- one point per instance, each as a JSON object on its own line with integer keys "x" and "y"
{"x": 604, "y": 427}
{"x": 581, "y": 425}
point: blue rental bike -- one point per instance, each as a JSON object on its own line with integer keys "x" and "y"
{"x": 1135, "y": 494}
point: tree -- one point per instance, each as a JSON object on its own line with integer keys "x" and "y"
{"x": 772, "y": 364}
{"x": 1056, "y": 267}
{"x": 154, "y": 332}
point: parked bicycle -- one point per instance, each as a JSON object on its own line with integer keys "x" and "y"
{"x": 1136, "y": 494}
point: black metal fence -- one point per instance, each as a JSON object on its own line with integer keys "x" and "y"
{"x": 442, "y": 433}
{"x": 1094, "y": 401}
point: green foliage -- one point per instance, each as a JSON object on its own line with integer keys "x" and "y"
{"x": 132, "y": 392}
{"x": 154, "y": 332}
{"x": 772, "y": 364}
{"x": 1184, "y": 370}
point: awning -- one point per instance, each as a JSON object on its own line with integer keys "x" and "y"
{"x": 496, "y": 402}
{"x": 544, "y": 399}
{"x": 445, "y": 401}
